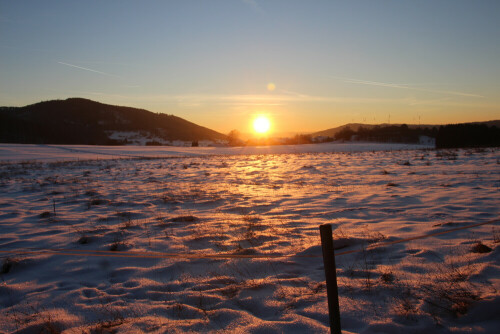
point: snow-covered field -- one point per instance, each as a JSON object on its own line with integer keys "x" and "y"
{"x": 19, "y": 152}
{"x": 230, "y": 243}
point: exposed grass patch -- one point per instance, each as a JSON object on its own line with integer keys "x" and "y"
{"x": 479, "y": 247}
{"x": 8, "y": 264}
{"x": 185, "y": 219}
{"x": 45, "y": 215}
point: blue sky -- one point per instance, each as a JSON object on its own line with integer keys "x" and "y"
{"x": 332, "y": 62}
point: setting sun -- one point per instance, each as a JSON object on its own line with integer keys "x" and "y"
{"x": 261, "y": 124}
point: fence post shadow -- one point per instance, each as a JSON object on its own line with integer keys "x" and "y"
{"x": 331, "y": 278}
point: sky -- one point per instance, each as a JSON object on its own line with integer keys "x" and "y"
{"x": 307, "y": 65}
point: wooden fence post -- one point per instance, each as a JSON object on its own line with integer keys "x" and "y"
{"x": 331, "y": 277}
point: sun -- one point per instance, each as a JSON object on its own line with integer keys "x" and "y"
{"x": 261, "y": 124}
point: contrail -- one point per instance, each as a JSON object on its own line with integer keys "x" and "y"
{"x": 89, "y": 69}
{"x": 407, "y": 86}
{"x": 376, "y": 83}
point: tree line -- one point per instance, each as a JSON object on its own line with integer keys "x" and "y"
{"x": 446, "y": 136}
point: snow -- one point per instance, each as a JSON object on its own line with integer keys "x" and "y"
{"x": 142, "y": 138}
{"x": 135, "y": 137}
{"x": 100, "y": 245}
{"x": 21, "y": 152}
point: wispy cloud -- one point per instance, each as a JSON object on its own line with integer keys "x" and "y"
{"x": 250, "y": 99}
{"x": 261, "y": 100}
{"x": 89, "y": 69}
{"x": 376, "y": 83}
{"x": 409, "y": 86}
{"x": 255, "y": 6}
{"x": 160, "y": 101}
{"x": 287, "y": 98}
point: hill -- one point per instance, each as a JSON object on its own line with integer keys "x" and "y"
{"x": 355, "y": 127}
{"x": 82, "y": 121}
{"x": 476, "y": 134}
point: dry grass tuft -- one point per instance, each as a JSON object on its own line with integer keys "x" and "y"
{"x": 479, "y": 247}
{"x": 7, "y": 265}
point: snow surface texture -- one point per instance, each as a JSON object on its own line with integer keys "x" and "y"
{"x": 248, "y": 205}
{"x": 143, "y": 137}
{"x": 19, "y": 152}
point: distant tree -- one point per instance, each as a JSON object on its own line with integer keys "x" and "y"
{"x": 344, "y": 134}
{"x": 234, "y": 138}
{"x": 303, "y": 139}
{"x": 392, "y": 133}
{"x": 195, "y": 143}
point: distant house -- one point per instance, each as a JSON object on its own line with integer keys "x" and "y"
{"x": 426, "y": 140}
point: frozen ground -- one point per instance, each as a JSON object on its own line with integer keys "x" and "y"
{"x": 20, "y": 152}
{"x": 97, "y": 235}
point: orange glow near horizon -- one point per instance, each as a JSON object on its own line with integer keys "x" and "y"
{"x": 261, "y": 125}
